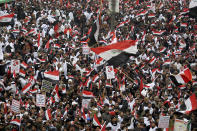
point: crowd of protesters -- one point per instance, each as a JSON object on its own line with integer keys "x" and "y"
{"x": 166, "y": 38}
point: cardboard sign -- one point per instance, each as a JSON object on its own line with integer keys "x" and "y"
{"x": 40, "y": 100}
{"x": 110, "y": 72}
{"x": 46, "y": 86}
{"x": 180, "y": 125}
{"x": 15, "y": 107}
{"x": 15, "y": 66}
{"x": 86, "y": 50}
{"x": 164, "y": 121}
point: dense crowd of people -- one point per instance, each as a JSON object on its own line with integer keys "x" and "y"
{"x": 49, "y": 35}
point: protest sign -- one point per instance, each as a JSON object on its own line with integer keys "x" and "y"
{"x": 164, "y": 121}
{"x": 85, "y": 50}
{"x": 110, "y": 72}
{"x": 40, "y": 100}
{"x": 15, "y": 66}
{"x": 15, "y": 107}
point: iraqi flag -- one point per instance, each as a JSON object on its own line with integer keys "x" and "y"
{"x": 93, "y": 37}
{"x": 15, "y": 31}
{"x": 96, "y": 121}
{"x": 142, "y": 13}
{"x": 33, "y": 91}
{"x": 26, "y": 88}
{"x": 57, "y": 45}
{"x": 88, "y": 94}
{"x": 52, "y": 75}
{"x": 191, "y": 104}
{"x": 153, "y": 60}
{"x": 16, "y": 122}
{"x": 151, "y": 16}
{"x": 24, "y": 65}
{"x": 22, "y": 73}
{"x": 193, "y": 9}
{"x": 167, "y": 62}
{"x": 95, "y": 78}
{"x": 118, "y": 53}
{"x": 184, "y": 77}
{"x": 158, "y": 32}
{"x": 114, "y": 38}
{"x": 163, "y": 49}
{"x": 184, "y": 24}
{"x": 48, "y": 114}
{"x": 48, "y": 43}
{"x": 32, "y": 31}
{"x": 103, "y": 127}
{"x": 6, "y": 19}
{"x": 122, "y": 23}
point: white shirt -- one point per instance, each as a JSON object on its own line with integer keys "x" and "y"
{"x": 153, "y": 129}
{"x": 113, "y": 128}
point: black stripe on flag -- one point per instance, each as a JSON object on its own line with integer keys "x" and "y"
{"x": 193, "y": 12}
{"x": 120, "y": 59}
{"x": 173, "y": 79}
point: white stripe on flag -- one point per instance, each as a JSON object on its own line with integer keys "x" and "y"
{"x": 16, "y": 122}
{"x": 6, "y": 18}
{"x": 179, "y": 78}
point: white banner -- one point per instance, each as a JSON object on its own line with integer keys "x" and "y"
{"x": 110, "y": 72}
{"x": 40, "y": 100}
{"x": 15, "y": 65}
{"x": 180, "y": 125}
{"x": 193, "y": 4}
{"x": 15, "y": 107}
{"x": 114, "y": 6}
{"x": 164, "y": 121}
{"x": 86, "y": 50}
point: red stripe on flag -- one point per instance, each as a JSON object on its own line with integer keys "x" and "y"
{"x": 193, "y": 101}
{"x": 119, "y": 46}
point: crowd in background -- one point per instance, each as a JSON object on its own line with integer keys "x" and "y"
{"x": 167, "y": 43}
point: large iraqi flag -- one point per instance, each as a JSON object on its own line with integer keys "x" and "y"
{"x": 118, "y": 53}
